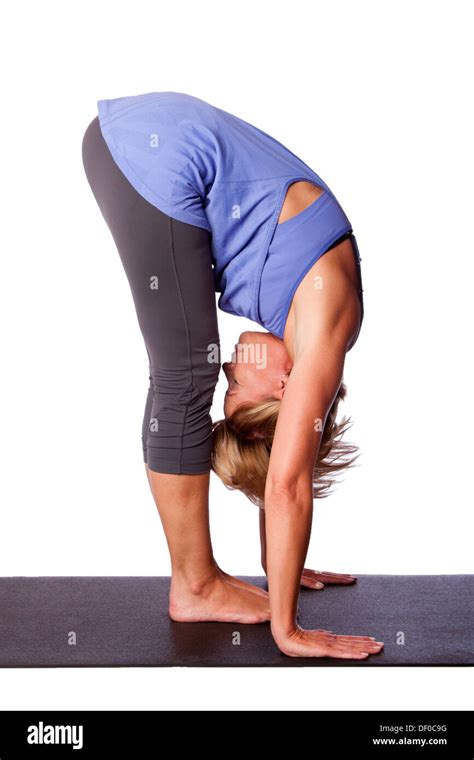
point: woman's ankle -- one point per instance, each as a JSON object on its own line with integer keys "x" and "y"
{"x": 193, "y": 581}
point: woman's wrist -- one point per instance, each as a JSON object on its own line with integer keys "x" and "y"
{"x": 283, "y": 632}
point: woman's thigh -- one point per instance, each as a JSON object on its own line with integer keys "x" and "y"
{"x": 168, "y": 264}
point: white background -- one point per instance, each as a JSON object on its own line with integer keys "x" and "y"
{"x": 377, "y": 99}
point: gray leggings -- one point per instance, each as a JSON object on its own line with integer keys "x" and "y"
{"x": 169, "y": 268}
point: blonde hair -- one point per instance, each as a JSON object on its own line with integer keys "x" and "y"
{"x": 242, "y": 444}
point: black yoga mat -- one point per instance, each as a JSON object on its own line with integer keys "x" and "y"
{"x": 100, "y": 621}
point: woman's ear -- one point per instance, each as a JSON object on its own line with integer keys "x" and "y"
{"x": 282, "y": 387}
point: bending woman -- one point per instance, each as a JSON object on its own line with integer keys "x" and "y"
{"x": 198, "y": 200}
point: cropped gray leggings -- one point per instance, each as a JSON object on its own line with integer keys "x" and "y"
{"x": 169, "y": 268}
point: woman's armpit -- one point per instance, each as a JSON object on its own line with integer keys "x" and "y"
{"x": 299, "y": 196}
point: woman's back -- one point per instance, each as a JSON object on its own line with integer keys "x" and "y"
{"x": 204, "y": 166}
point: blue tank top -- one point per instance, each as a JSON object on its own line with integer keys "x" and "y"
{"x": 204, "y": 166}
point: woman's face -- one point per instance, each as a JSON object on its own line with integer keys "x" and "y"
{"x": 259, "y": 370}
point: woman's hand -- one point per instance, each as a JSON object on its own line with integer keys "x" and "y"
{"x": 320, "y": 643}
{"x": 316, "y": 579}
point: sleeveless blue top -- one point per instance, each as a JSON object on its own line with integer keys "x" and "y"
{"x": 204, "y": 166}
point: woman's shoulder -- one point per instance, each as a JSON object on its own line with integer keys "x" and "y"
{"x": 327, "y": 299}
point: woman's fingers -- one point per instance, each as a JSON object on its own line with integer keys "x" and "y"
{"x": 350, "y": 639}
{"x": 324, "y": 576}
{"x": 309, "y": 581}
{"x": 340, "y": 650}
{"x": 346, "y": 655}
{"x": 342, "y": 645}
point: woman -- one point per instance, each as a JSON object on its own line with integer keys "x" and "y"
{"x": 198, "y": 200}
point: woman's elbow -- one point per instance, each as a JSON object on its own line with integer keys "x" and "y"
{"x": 288, "y": 492}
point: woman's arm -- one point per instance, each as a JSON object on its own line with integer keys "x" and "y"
{"x": 310, "y": 392}
{"x": 263, "y": 539}
{"x": 315, "y": 579}
{"x": 311, "y": 389}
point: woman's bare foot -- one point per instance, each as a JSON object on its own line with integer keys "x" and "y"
{"x": 243, "y": 584}
{"x": 217, "y": 600}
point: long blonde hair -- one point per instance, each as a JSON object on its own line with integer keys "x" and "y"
{"x": 242, "y": 444}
